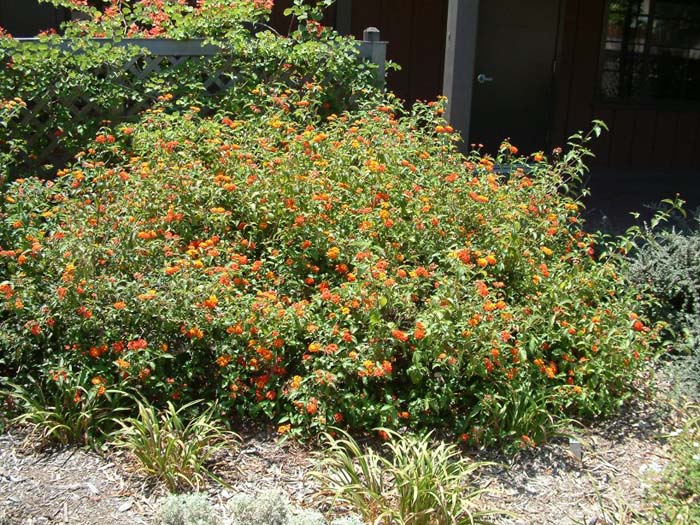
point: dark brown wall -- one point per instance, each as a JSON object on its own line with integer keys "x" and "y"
{"x": 652, "y": 136}
{"x": 415, "y": 30}
{"x": 284, "y": 24}
{"x": 25, "y": 18}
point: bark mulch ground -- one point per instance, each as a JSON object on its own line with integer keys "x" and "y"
{"x": 549, "y": 484}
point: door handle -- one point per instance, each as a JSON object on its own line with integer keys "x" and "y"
{"x": 483, "y": 79}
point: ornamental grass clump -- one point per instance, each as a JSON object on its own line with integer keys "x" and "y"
{"x": 65, "y": 407}
{"x": 174, "y": 446}
{"x": 356, "y": 272}
{"x": 416, "y": 481}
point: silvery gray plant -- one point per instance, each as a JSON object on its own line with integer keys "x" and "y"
{"x": 187, "y": 509}
{"x": 266, "y": 508}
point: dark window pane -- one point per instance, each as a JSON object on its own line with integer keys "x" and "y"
{"x": 651, "y": 50}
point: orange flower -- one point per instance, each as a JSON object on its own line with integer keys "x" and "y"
{"x": 84, "y": 312}
{"x": 119, "y": 305}
{"x": 35, "y": 329}
{"x": 422, "y": 272}
{"x": 211, "y": 302}
{"x": 194, "y": 333}
{"x": 478, "y": 198}
{"x": 419, "y": 332}
{"x": 386, "y": 366}
{"x": 147, "y": 235}
{"x": 149, "y": 295}
{"x": 121, "y": 363}
{"x": 312, "y": 406}
{"x": 170, "y": 270}
{"x": 235, "y": 330}
{"x": 223, "y": 360}
{"x": 481, "y": 288}
{"x": 137, "y": 344}
{"x": 296, "y": 382}
{"x": 399, "y": 335}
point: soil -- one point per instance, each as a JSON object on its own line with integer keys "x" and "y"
{"x": 601, "y": 474}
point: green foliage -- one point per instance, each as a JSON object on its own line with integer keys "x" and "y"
{"x": 676, "y": 497}
{"x": 186, "y": 509}
{"x": 174, "y": 446}
{"x": 66, "y": 407}
{"x": 358, "y": 271}
{"x": 667, "y": 268}
{"x": 270, "y": 251}
{"x": 13, "y": 146}
{"x": 419, "y": 483}
{"x": 76, "y": 70}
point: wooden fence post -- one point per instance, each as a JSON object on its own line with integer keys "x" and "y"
{"x": 372, "y": 48}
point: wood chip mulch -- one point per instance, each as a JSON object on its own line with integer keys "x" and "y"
{"x": 619, "y": 458}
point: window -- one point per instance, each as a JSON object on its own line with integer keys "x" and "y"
{"x": 651, "y": 51}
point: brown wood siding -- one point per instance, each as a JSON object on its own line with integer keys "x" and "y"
{"x": 688, "y": 128}
{"x": 26, "y": 18}
{"x": 640, "y": 136}
{"x": 416, "y": 31}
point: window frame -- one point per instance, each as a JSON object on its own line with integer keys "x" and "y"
{"x": 636, "y": 101}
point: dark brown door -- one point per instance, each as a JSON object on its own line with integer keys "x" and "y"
{"x": 516, "y": 49}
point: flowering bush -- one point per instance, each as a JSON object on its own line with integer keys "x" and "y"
{"x": 69, "y": 85}
{"x": 358, "y": 272}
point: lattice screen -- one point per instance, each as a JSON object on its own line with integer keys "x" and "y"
{"x": 164, "y": 57}
{"x": 167, "y": 56}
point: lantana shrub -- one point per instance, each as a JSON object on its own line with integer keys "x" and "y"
{"x": 359, "y": 272}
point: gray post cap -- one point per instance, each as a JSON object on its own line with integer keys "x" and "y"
{"x": 371, "y": 34}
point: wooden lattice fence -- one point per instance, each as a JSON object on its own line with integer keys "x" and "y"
{"x": 163, "y": 56}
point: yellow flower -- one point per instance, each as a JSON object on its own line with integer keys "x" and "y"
{"x": 150, "y": 294}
